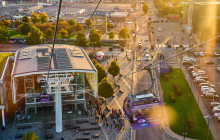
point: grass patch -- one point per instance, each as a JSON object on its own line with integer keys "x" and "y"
{"x": 185, "y": 102}
{"x": 13, "y": 32}
{"x": 3, "y": 56}
{"x": 19, "y": 36}
{"x": 73, "y": 36}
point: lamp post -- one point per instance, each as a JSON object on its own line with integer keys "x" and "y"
{"x": 209, "y": 117}
{"x": 41, "y": 41}
{"x": 198, "y": 98}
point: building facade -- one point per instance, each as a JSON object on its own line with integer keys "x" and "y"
{"x": 68, "y": 89}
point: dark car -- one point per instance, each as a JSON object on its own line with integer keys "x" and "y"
{"x": 187, "y": 63}
{"x": 211, "y": 96}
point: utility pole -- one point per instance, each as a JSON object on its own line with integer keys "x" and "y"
{"x": 133, "y": 74}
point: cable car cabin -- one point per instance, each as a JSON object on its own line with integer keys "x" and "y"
{"x": 143, "y": 111}
{"x": 44, "y": 98}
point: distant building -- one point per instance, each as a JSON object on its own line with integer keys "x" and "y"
{"x": 200, "y": 12}
{"x": 67, "y": 92}
{"x": 106, "y": 13}
{"x": 119, "y": 16}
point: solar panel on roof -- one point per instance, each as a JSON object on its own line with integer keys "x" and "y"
{"x": 62, "y": 59}
{"x": 43, "y": 63}
{"x": 25, "y": 54}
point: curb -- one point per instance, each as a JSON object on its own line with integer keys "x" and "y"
{"x": 167, "y": 134}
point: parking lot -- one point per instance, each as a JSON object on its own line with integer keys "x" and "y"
{"x": 206, "y": 78}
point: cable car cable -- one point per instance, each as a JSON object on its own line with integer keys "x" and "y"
{"x": 54, "y": 38}
{"x": 155, "y": 64}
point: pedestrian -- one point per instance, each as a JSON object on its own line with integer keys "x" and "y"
{"x": 62, "y": 138}
{"x": 91, "y": 112}
{"x": 107, "y": 123}
{"x": 76, "y": 131}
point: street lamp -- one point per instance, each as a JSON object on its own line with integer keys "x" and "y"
{"x": 41, "y": 41}
{"x": 209, "y": 117}
{"x": 198, "y": 99}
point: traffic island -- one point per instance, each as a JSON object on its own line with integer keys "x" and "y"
{"x": 184, "y": 115}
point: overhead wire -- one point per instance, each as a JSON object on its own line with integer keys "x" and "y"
{"x": 55, "y": 32}
{"x": 155, "y": 64}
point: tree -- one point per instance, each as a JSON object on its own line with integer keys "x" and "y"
{"x": 35, "y": 18}
{"x": 25, "y": 29}
{"x": 71, "y": 22}
{"x": 111, "y": 35}
{"x": 94, "y": 38}
{"x": 88, "y": 22}
{"x": 109, "y": 25}
{"x": 81, "y": 39}
{"x": 64, "y": 33}
{"x": 78, "y": 27}
{"x": 4, "y": 34}
{"x": 105, "y": 88}
{"x": 6, "y": 22}
{"x": 49, "y": 33}
{"x": 30, "y": 135}
{"x": 25, "y": 19}
{"x": 43, "y": 17}
{"x": 17, "y": 22}
{"x": 101, "y": 72}
{"x": 94, "y": 61}
{"x": 145, "y": 8}
{"x": 114, "y": 69}
{"x": 34, "y": 36}
{"x": 124, "y": 33}
{"x": 63, "y": 25}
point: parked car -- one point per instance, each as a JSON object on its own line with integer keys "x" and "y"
{"x": 198, "y": 81}
{"x": 215, "y": 111}
{"x": 202, "y": 77}
{"x": 218, "y": 119}
{"x": 217, "y": 54}
{"x": 209, "y": 62}
{"x": 201, "y": 54}
{"x": 214, "y": 104}
{"x": 146, "y": 52}
{"x": 211, "y": 96}
{"x": 145, "y": 48}
{"x": 206, "y": 84}
{"x": 193, "y": 67}
{"x": 146, "y": 39}
{"x": 196, "y": 53}
{"x": 187, "y": 63}
{"x": 217, "y": 107}
{"x": 195, "y": 74}
{"x": 139, "y": 44}
{"x": 147, "y": 57}
{"x": 217, "y": 115}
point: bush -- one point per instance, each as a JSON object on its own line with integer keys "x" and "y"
{"x": 110, "y": 49}
{"x": 122, "y": 49}
{"x": 165, "y": 76}
{"x": 190, "y": 123}
{"x": 169, "y": 46}
{"x": 171, "y": 68}
{"x": 177, "y": 89}
{"x": 172, "y": 98}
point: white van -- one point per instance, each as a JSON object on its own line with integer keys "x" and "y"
{"x": 147, "y": 57}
